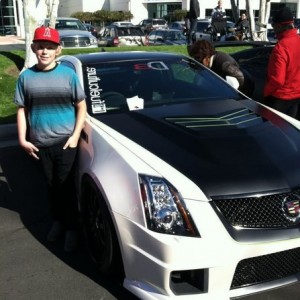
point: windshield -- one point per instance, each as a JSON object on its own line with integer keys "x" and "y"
{"x": 69, "y": 25}
{"x": 130, "y": 31}
{"x": 129, "y": 85}
{"x": 174, "y": 35}
{"x": 158, "y": 22}
{"x": 202, "y": 26}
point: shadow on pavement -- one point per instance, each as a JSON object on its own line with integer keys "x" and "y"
{"x": 22, "y": 190}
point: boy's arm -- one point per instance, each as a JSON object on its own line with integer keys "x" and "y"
{"x": 22, "y": 130}
{"x": 80, "y": 119}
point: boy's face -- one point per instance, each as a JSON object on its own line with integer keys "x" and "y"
{"x": 46, "y": 52}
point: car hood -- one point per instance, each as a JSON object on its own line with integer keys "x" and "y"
{"x": 226, "y": 147}
{"x": 67, "y": 33}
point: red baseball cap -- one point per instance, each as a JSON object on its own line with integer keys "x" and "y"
{"x": 46, "y": 34}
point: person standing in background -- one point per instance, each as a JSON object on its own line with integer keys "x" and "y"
{"x": 282, "y": 86}
{"x": 191, "y": 20}
{"x": 217, "y": 13}
{"x": 218, "y": 21}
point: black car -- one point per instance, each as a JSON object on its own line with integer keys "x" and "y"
{"x": 92, "y": 29}
{"x": 166, "y": 37}
{"x": 255, "y": 61}
{"x": 118, "y": 36}
{"x": 203, "y": 30}
{"x": 179, "y": 25}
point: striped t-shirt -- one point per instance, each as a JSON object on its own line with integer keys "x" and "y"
{"x": 49, "y": 97}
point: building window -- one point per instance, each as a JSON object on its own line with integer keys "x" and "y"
{"x": 7, "y": 19}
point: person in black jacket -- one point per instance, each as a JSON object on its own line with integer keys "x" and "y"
{"x": 242, "y": 28}
{"x": 222, "y": 64}
{"x": 218, "y": 21}
{"x": 191, "y": 19}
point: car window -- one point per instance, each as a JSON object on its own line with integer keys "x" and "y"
{"x": 110, "y": 86}
{"x": 112, "y": 32}
{"x": 105, "y": 33}
{"x": 159, "y": 34}
{"x": 158, "y": 22}
{"x": 173, "y": 35}
{"x": 129, "y": 31}
{"x": 69, "y": 24}
{"x": 201, "y": 26}
{"x": 152, "y": 36}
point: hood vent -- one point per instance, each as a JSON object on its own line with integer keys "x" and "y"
{"x": 239, "y": 119}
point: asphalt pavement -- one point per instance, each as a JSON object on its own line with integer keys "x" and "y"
{"x": 11, "y": 42}
{"x": 30, "y": 267}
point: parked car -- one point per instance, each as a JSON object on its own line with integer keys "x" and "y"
{"x": 255, "y": 61}
{"x": 179, "y": 25}
{"x": 204, "y": 30}
{"x": 147, "y": 25}
{"x": 92, "y": 29}
{"x": 73, "y": 34}
{"x": 118, "y": 36}
{"x": 187, "y": 189}
{"x": 160, "y": 37}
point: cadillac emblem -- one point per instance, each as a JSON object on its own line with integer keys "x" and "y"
{"x": 291, "y": 208}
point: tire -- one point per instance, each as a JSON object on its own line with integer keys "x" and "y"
{"x": 100, "y": 233}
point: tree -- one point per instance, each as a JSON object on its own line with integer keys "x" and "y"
{"x": 35, "y": 11}
{"x": 179, "y": 14}
{"x": 103, "y": 16}
{"x": 264, "y": 14}
{"x": 85, "y": 17}
{"x": 52, "y": 7}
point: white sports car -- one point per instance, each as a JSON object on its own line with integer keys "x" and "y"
{"x": 187, "y": 189}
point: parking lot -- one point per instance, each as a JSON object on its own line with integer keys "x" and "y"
{"x": 31, "y": 268}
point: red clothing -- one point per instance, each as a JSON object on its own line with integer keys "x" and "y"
{"x": 283, "y": 74}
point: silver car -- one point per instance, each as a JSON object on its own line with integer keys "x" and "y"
{"x": 73, "y": 34}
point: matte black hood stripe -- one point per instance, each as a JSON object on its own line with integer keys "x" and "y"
{"x": 222, "y": 160}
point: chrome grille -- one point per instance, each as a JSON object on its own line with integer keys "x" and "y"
{"x": 258, "y": 212}
{"x": 266, "y": 268}
{"x": 75, "y": 42}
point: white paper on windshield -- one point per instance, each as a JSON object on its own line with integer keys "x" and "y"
{"x": 135, "y": 103}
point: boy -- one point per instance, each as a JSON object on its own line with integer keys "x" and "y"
{"x": 50, "y": 116}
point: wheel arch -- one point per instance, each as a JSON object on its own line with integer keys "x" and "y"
{"x": 88, "y": 184}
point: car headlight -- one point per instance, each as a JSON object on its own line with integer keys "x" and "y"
{"x": 164, "y": 208}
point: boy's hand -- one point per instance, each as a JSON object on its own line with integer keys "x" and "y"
{"x": 71, "y": 142}
{"x": 30, "y": 149}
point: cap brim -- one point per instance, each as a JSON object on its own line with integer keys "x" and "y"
{"x": 39, "y": 40}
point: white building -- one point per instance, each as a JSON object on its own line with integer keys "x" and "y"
{"x": 142, "y": 9}
{"x": 12, "y": 20}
